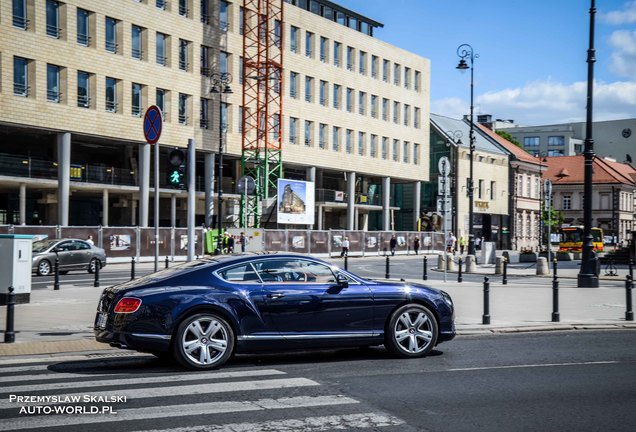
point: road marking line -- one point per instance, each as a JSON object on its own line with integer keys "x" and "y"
{"x": 208, "y": 388}
{"x": 532, "y": 366}
{"x": 307, "y": 424}
{"x": 201, "y": 409}
{"x": 115, "y": 377}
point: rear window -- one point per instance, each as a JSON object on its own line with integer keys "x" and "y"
{"x": 239, "y": 273}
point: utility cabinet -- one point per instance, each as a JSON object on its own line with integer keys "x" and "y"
{"x": 15, "y": 266}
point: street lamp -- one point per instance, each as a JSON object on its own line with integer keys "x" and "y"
{"x": 588, "y": 275}
{"x": 542, "y": 160}
{"x": 220, "y": 85}
{"x": 464, "y": 52}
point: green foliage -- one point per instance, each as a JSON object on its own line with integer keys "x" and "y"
{"x": 505, "y": 135}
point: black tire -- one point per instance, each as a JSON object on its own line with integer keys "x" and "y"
{"x": 195, "y": 345}
{"x": 44, "y": 268}
{"x": 411, "y": 332}
{"x": 93, "y": 264}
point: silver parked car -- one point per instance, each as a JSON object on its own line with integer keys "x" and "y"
{"x": 73, "y": 254}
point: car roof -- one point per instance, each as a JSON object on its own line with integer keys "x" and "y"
{"x": 249, "y": 256}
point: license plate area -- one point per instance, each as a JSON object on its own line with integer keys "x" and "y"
{"x": 100, "y": 321}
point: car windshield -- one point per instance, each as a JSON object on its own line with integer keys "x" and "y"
{"x": 42, "y": 245}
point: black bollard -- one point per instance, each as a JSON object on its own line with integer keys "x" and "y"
{"x": 56, "y": 275}
{"x": 556, "y": 316}
{"x": 459, "y": 271}
{"x": 425, "y": 265}
{"x": 631, "y": 269}
{"x": 387, "y": 274}
{"x": 97, "y": 266}
{"x": 629, "y": 313}
{"x": 167, "y": 262}
{"x": 486, "y": 317}
{"x": 504, "y": 281}
{"x": 132, "y": 268}
{"x": 9, "y": 333}
{"x": 346, "y": 262}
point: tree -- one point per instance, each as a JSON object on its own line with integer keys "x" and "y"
{"x": 505, "y": 135}
{"x": 556, "y": 220}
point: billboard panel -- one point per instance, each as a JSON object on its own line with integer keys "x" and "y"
{"x": 296, "y": 202}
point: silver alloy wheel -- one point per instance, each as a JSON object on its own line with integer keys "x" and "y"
{"x": 92, "y": 265}
{"x": 44, "y": 268}
{"x": 413, "y": 331}
{"x": 204, "y": 341}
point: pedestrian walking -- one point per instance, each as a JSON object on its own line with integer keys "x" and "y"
{"x": 345, "y": 247}
{"x": 416, "y": 244}
{"x": 230, "y": 244}
{"x": 393, "y": 244}
{"x": 90, "y": 241}
{"x": 450, "y": 243}
{"x": 462, "y": 244}
{"x": 243, "y": 241}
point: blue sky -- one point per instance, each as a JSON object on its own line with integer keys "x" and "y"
{"x": 532, "y": 54}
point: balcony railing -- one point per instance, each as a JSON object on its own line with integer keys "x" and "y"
{"x": 137, "y": 53}
{"x": 111, "y": 46}
{"x": 161, "y": 4}
{"x": 83, "y": 101}
{"x": 20, "y": 89}
{"x": 20, "y": 22}
{"x": 53, "y": 96}
{"x": 83, "y": 39}
{"x": 53, "y": 31}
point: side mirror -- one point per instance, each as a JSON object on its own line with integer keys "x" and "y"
{"x": 342, "y": 281}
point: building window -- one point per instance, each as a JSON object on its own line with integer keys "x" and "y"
{"x": 309, "y": 44}
{"x": 136, "y": 100}
{"x": 309, "y": 84}
{"x": 309, "y": 125}
{"x": 493, "y": 190}
{"x": 373, "y": 150}
{"x": 337, "y": 53}
{"x": 555, "y": 153}
{"x": 20, "y": 14}
{"x": 349, "y": 141}
{"x": 111, "y": 95}
{"x": 223, "y": 16}
{"x": 374, "y": 66}
{"x": 183, "y": 56}
{"x": 407, "y": 111}
{"x": 567, "y": 202}
{"x": 363, "y": 63}
{"x": 396, "y": 74}
{"x": 322, "y": 136}
{"x": 361, "y": 143}
{"x": 350, "y": 99}
{"x": 350, "y": 54}
{"x": 480, "y": 189}
{"x": 136, "y": 42}
{"x": 417, "y": 81}
{"x": 160, "y": 4}
{"x": 111, "y": 35}
{"x": 405, "y": 152}
{"x": 83, "y": 89}
{"x": 556, "y": 140}
{"x": 416, "y": 154}
{"x": 323, "y": 49}
{"x": 416, "y": 118}
{"x": 385, "y": 148}
{"x": 293, "y": 84}
{"x": 335, "y": 142}
{"x": 293, "y": 130}
{"x": 407, "y": 78}
{"x": 20, "y": 76}
{"x": 183, "y": 8}
{"x": 385, "y": 70}
{"x": 205, "y": 60}
{"x": 531, "y": 141}
{"x": 293, "y": 39}
{"x": 205, "y": 11}
{"x": 336, "y": 96}
{"x": 362, "y": 98}
{"x": 323, "y": 93}
{"x": 396, "y": 147}
{"x": 374, "y": 106}
{"x": 183, "y": 109}
{"x": 82, "y": 27}
{"x": 162, "y": 48}
{"x": 161, "y": 102}
{"x": 53, "y": 83}
{"x": 241, "y": 20}
{"x": 53, "y": 18}
{"x": 277, "y": 33}
{"x": 204, "y": 114}
{"x": 396, "y": 112}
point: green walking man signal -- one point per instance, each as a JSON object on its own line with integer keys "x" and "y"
{"x": 176, "y": 171}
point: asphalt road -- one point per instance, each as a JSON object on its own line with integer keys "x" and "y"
{"x": 570, "y": 381}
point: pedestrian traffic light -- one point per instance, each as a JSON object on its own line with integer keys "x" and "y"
{"x": 176, "y": 172}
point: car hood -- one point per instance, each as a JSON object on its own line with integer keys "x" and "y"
{"x": 401, "y": 285}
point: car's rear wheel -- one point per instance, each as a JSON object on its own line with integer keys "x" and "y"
{"x": 203, "y": 341}
{"x": 411, "y": 332}
{"x": 93, "y": 265}
{"x": 44, "y": 268}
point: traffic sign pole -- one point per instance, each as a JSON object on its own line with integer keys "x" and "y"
{"x": 152, "y": 131}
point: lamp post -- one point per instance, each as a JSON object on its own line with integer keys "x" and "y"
{"x": 464, "y": 52}
{"x": 220, "y": 85}
{"x": 542, "y": 159}
{"x": 588, "y": 277}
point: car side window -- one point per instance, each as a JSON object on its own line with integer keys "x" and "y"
{"x": 66, "y": 246}
{"x": 317, "y": 272}
{"x": 80, "y": 245}
{"x": 240, "y": 273}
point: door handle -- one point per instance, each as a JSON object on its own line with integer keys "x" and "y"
{"x": 275, "y": 295}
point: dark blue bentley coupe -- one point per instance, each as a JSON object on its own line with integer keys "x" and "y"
{"x": 203, "y": 312}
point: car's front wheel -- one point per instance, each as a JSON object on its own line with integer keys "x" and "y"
{"x": 44, "y": 268}
{"x": 411, "y": 332}
{"x": 93, "y": 265}
{"x": 203, "y": 341}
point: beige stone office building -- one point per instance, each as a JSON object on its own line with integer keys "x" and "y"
{"x": 77, "y": 76}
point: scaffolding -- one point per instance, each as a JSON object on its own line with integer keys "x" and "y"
{"x": 262, "y": 105}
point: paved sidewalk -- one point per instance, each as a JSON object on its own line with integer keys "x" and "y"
{"x": 61, "y": 321}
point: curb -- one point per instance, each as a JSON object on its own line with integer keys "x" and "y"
{"x": 51, "y": 347}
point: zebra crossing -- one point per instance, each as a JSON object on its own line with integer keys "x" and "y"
{"x": 138, "y": 393}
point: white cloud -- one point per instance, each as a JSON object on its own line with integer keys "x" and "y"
{"x": 547, "y": 102}
{"x": 625, "y": 16}
{"x": 624, "y": 55}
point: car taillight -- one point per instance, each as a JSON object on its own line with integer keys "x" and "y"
{"x": 127, "y": 305}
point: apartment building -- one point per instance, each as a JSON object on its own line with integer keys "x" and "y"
{"x": 77, "y": 76}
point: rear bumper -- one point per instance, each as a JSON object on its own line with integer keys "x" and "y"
{"x": 134, "y": 341}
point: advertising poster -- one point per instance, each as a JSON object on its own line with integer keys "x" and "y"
{"x": 296, "y": 202}
{"x": 297, "y": 241}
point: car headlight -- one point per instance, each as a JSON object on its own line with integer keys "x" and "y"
{"x": 447, "y": 298}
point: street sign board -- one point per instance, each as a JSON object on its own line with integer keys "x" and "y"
{"x": 152, "y": 124}
{"x": 443, "y": 185}
{"x": 246, "y": 185}
{"x": 444, "y": 166}
{"x": 444, "y": 206}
